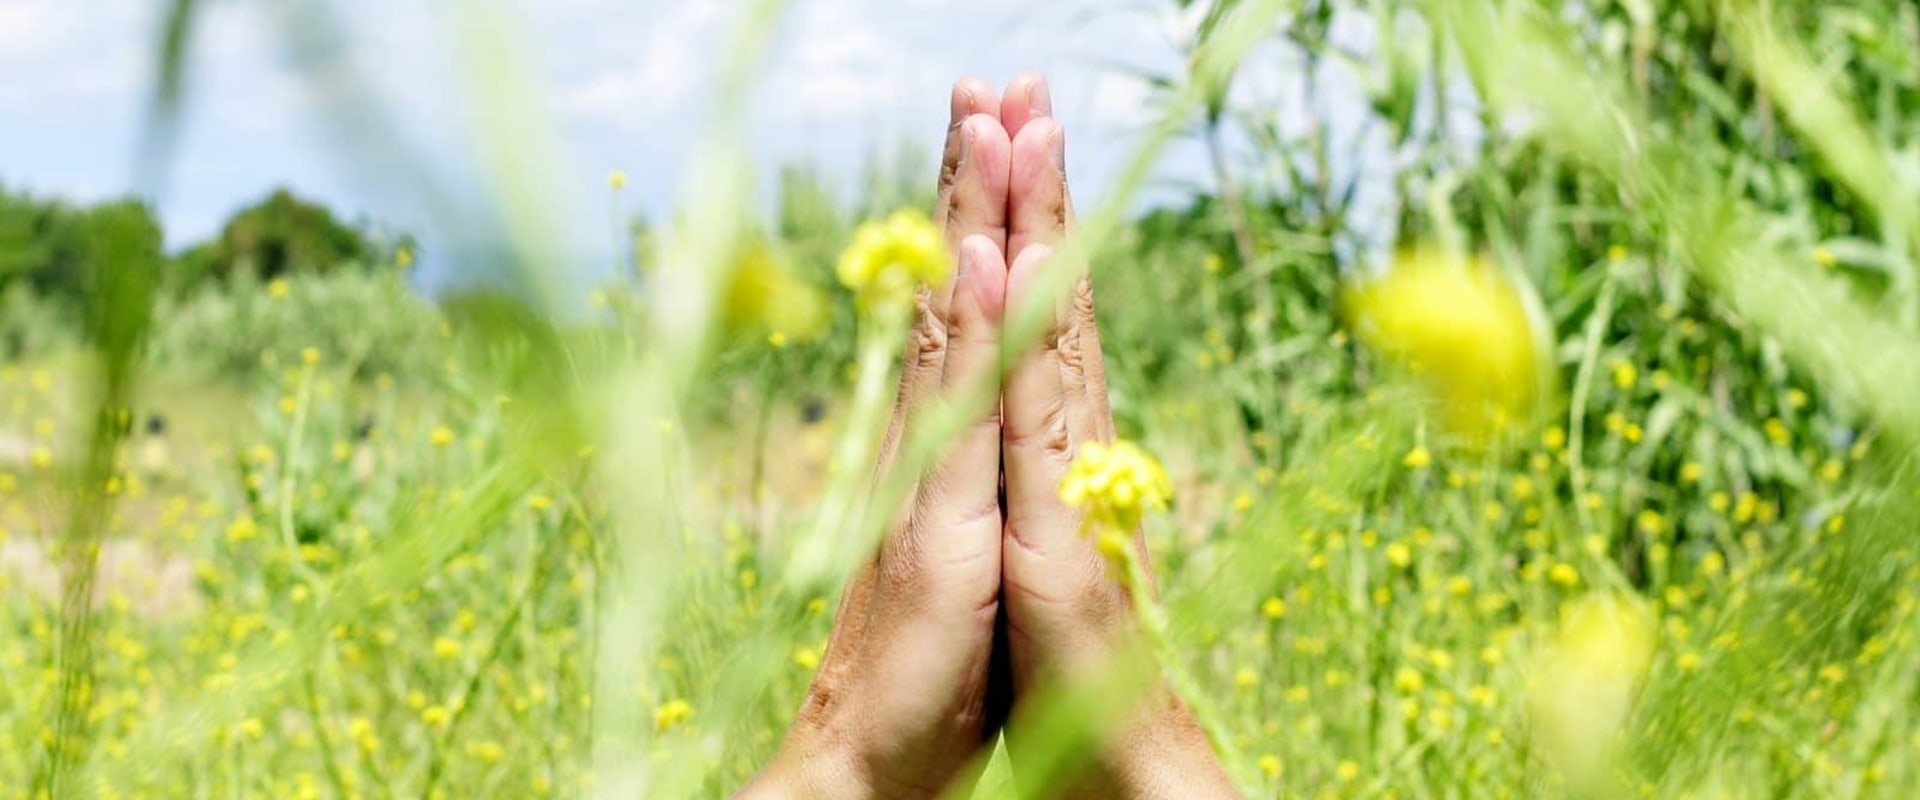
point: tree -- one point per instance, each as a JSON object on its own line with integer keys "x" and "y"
{"x": 278, "y": 236}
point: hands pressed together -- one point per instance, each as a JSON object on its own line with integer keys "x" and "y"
{"x": 974, "y": 601}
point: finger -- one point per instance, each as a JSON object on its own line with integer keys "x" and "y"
{"x": 949, "y": 552}
{"x": 1028, "y": 98}
{"x": 1055, "y": 581}
{"x": 1040, "y": 211}
{"x": 970, "y": 97}
{"x": 977, "y": 206}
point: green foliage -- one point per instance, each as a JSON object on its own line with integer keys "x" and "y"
{"x": 61, "y": 252}
{"x": 279, "y": 236}
{"x": 371, "y": 323}
{"x": 403, "y": 589}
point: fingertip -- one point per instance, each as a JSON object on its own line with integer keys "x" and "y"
{"x": 1043, "y": 142}
{"x": 1039, "y": 96}
{"x": 988, "y": 153}
{"x": 1020, "y": 274}
{"x": 972, "y": 95}
{"x": 1027, "y": 98}
{"x": 984, "y": 269}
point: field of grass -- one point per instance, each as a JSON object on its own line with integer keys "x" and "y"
{"x": 571, "y": 558}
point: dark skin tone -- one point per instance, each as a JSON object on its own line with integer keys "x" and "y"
{"x": 910, "y": 690}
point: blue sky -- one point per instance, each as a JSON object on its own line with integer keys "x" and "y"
{"x": 620, "y": 85}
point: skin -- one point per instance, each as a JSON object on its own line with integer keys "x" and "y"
{"x": 974, "y": 598}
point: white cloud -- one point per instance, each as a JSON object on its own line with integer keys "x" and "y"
{"x": 30, "y": 29}
{"x": 634, "y": 71}
{"x": 58, "y": 52}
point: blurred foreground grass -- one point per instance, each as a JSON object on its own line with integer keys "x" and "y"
{"x": 555, "y": 558}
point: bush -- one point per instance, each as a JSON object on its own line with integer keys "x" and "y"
{"x": 371, "y": 322}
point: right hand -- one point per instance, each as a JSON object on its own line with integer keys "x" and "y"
{"x": 1066, "y": 612}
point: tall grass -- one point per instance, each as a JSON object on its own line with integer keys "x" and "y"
{"x": 564, "y": 570}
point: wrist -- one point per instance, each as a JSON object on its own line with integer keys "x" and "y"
{"x": 1167, "y": 755}
{"x": 808, "y": 765}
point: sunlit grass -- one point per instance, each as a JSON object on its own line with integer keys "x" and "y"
{"x": 534, "y": 567}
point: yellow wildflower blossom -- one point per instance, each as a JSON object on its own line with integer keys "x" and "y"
{"x": 1115, "y": 485}
{"x": 1462, "y": 329}
{"x": 887, "y": 258}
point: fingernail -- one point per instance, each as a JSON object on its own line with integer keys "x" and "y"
{"x": 1040, "y": 99}
{"x": 966, "y": 263}
{"x": 960, "y": 103}
{"x": 1057, "y": 147}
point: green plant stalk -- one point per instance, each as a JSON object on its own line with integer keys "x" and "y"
{"x": 536, "y": 579}
{"x": 1153, "y": 623}
{"x": 1582, "y": 388}
{"x": 826, "y": 543}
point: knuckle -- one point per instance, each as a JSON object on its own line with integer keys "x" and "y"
{"x": 1073, "y": 356}
{"x": 1083, "y": 298}
{"x": 1050, "y": 437}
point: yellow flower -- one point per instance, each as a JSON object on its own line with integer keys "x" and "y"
{"x": 617, "y": 180}
{"x": 1564, "y": 574}
{"x": 1246, "y": 678}
{"x": 446, "y": 648}
{"x": 1417, "y": 458}
{"x": 1585, "y": 682}
{"x": 277, "y": 288}
{"x": 1625, "y": 376}
{"x": 441, "y": 436}
{"x": 1270, "y": 766}
{"x": 403, "y": 257}
{"x": 1114, "y": 486}
{"x": 1274, "y": 608}
{"x": 887, "y": 258}
{"x": 1462, "y": 329}
{"x": 806, "y": 658}
{"x": 766, "y": 293}
{"x": 1399, "y": 554}
{"x": 486, "y": 751}
{"x": 671, "y": 713}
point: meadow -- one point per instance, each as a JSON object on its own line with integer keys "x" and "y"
{"x": 253, "y": 544}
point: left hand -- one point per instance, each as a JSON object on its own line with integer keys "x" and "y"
{"x": 898, "y": 708}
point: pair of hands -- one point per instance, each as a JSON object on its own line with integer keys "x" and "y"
{"x": 973, "y": 602}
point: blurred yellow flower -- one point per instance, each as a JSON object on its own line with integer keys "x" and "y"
{"x": 1274, "y": 608}
{"x": 617, "y": 180}
{"x": 1462, "y": 329}
{"x": 1564, "y": 574}
{"x": 1115, "y": 485}
{"x": 671, "y": 713}
{"x": 1625, "y": 376}
{"x": 766, "y": 294}
{"x": 887, "y": 258}
{"x": 1584, "y": 684}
